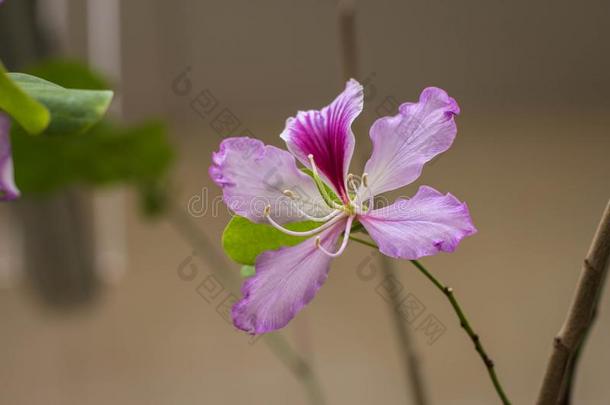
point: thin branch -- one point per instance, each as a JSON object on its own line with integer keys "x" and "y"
{"x": 489, "y": 364}
{"x": 448, "y": 292}
{"x": 405, "y": 340}
{"x": 567, "y": 387}
{"x": 276, "y": 342}
{"x": 580, "y": 316}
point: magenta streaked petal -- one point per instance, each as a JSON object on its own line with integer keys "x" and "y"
{"x": 424, "y": 225}
{"x": 402, "y": 144}
{"x": 327, "y": 135}
{"x": 253, "y": 175}
{"x": 8, "y": 189}
{"x": 286, "y": 280}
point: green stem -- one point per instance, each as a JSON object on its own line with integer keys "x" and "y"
{"x": 489, "y": 364}
{"x": 448, "y": 292}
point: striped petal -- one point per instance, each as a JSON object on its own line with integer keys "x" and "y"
{"x": 327, "y": 135}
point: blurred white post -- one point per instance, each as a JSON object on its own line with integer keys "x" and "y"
{"x": 104, "y": 53}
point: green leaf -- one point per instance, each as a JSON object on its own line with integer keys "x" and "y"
{"x": 71, "y": 74}
{"x": 247, "y": 271}
{"x": 243, "y": 240}
{"x": 28, "y": 112}
{"x": 139, "y": 155}
{"x": 72, "y": 110}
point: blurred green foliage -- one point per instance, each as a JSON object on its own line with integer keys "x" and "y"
{"x": 72, "y": 110}
{"x": 28, "y": 112}
{"x": 79, "y": 147}
{"x": 70, "y": 74}
{"x": 247, "y": 271}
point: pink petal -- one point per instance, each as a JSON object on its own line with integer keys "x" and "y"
{"x": 402, "y": 144}
{"x": 327, "y": 135}
{"x": 424, "y": 225}
{"x": 253, "y": 176}
{"x": 8, "y": 189}
{"x": 285, "y": 281}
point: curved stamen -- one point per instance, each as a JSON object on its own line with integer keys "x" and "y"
{"x": 354, "y": 187}
{"x": 317, "y": 219}
{"x": 348, "y": 227}
{"x": 371, "y": 198}
{"x": 293, "y": 196}
{"x": 296, "y": 233}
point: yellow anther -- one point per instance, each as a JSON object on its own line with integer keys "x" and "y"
{"x": 289, "y": 194}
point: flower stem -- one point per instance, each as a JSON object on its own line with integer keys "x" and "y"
{"x": 464, "y": 323}
{"x": 448, "y": 291}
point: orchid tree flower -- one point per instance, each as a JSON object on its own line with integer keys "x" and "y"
{"x": 263, "y": 184}
{"x": 8, "y": 189}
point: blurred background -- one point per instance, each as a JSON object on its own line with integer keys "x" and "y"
{"x": 101, "y": 304}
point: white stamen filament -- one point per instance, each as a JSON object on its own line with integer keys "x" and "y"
{"x": 336, "y": 218}
{"x": 293, "y": 196}
{"x": 314, "y": 169}
{"x": 317, "y": 219}
{"x": 348, "y": 228}
{"x": 365, "y": 180}
{"x": 371, "y": 199}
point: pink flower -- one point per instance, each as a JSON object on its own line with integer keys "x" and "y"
{"x": 264, "y": 184}
{"x": 8, "y": 189}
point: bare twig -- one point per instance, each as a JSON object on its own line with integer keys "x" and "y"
{"x": 580, "y": 316}
{"x": 277, "y": 343}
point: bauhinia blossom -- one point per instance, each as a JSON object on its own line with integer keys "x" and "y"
{"x": 260, "y": 181}
{"x": 8, "y": 189}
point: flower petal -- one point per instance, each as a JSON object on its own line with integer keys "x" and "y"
{"x": 285, "y": 281}
{"x": 327, "y": 135}
{"x": 253, "y": 175}
{"x": 402, "y": 144}
{"x": 424, "y": 225}
{"x": 8, "y": 189}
